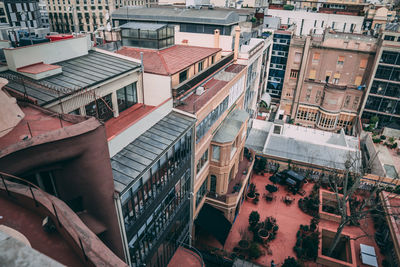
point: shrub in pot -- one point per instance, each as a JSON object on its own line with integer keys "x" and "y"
{"x": 254, "y": 218}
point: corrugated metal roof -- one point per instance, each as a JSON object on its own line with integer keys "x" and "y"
{"x": 131, "y": 162}
{"x": 77, "y": 73}
{"x": 142, "y": 26}
{"x": 303, "y": 151}
{"x": 231, "y": 126}
{"x": 197, "y": 16}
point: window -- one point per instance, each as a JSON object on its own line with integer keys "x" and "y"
{"x": 347, "y": 101}
{"x": 201, "y": 193}
{"x": 215, "y": 152}
{"x": 363, "y": 63}
{"x": 318, "y": 97}
{"x": 308, "y": 94}
{"x": 183, "y": 76}
{"x": 316, "y": 57}
{"x": 336, "y": 78}
{"x": 294, "y": 74}
{"x": 202, "y": 161}
{"x": 312, "y": 74}
{"x": 358, "y": 80}
{"x": 297, "y": 57}
{"x": 346, "y": 44}
{"x": 213, "y": 183}
{"x": 101, "y": 108}
{"x": 76, "y": 112}
{"x": 356, "y": 102}
{"x": 327, "y": 76}
{"x": 340, "y": 60}
{"x": 127, "y": 97}
{"x": 389, "y": 38}
{"x": 212, "y": 59}
{"x": 201, "y": 66}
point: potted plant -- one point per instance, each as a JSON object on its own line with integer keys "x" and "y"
{"x": 244, "y": 244}
{"x": 263, "y": 234}
{"x": 251, "y": 193}
{"x": 254, "y": 218}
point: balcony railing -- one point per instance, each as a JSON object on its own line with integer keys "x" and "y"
{"x": 236, "y": 184}
{"x": 68, "y": 224}
{"x": 182, "y": 88}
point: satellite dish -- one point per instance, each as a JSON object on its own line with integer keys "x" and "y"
{"x": 107, "y": 16}
{"x": 108, "y": 26}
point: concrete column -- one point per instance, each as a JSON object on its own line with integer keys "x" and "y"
{"x": 236, "y": 47}
{"x": 115, "y": 103}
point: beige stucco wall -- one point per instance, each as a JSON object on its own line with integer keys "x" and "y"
{"x": 48, "y": 53}
{"x": 157, "y": 88}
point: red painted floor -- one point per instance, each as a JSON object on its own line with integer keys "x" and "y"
{"x": 289, "y": 219}
{"x": 184, "y": 258}
{"x": 30, "y": 225}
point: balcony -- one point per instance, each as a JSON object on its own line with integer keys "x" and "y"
{"x": 70, "y": 241}
{"x": 182, "y": 88}
{"x": 235, "y": 186}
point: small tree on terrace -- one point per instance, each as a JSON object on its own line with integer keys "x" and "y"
{"x": 344, "y": 186}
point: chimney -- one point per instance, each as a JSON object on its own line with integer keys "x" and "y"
{"x": 216, "y": 38}
{"x": 237, "y": 39}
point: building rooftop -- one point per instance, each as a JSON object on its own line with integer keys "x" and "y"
{"x": 174, "y": 15}
{"x": 303, "y": 144}
{"x": 77, "y": 74}
{"x": 29, "y": 223}
{"x": 193, "y": 102}
{"x": 142, "y": 26}
{"x": 170, "y": 60}
{"x": 132, "y": 161}
{"x": 230, "y": 128}
{"x": 35, "y": 122}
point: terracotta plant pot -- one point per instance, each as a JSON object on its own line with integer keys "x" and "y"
{"x": 244, "y": 244}
{"x": 263, "y": 234}
{"x": 249, "y": 197}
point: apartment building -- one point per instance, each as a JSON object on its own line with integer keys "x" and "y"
{"x": 210, "y": 88}
{"x": 327, "y": 78}
{"x": 42, "y": 154}
{"x": 23, "y": 13}
{"x": 279, "y": 58}
{"x": 44, "y": 15}
{"x": 382, "y": 92}
{"x": 308, "y": 21}
{"x": 148, "y": 145}
{"x": 80, "y": 15}
{"x": 3, "y": 13}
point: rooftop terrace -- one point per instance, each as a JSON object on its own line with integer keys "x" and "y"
{"x": 297, "y": 143}
{"x": 193, "y": 102}
{"x": 78, "y": 73}
{"x": 289, "y": 218}
{"x": 170, "y": 60}
{"x": 36, "y": 122}
{"x": 199, "y": 16}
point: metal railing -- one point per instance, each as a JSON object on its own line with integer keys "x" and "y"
{"x": 9, "y": 181}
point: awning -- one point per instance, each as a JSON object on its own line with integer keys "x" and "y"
{"x": 290, "y": 182}
{"x": 214, "y": 222}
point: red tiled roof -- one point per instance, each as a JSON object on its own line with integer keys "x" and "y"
{"x": 170, "y": 60}
{"x": 37, "y": 68}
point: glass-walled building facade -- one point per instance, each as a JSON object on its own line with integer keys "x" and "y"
{"x": 277, "y": 68}
{"x": 383, "y": 99}
{"x": 153, "y": 177}
{"x": 147, "y": 35}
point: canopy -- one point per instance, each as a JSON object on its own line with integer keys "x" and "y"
{"x": 290, "y": 182}
{"x": 214, "y": 222}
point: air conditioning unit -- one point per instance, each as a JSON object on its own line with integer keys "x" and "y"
{"x": 200, "y": 90}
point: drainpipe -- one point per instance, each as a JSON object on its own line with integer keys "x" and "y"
{"x": 142, "y": 69}
{"x": 236, "y": 47}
